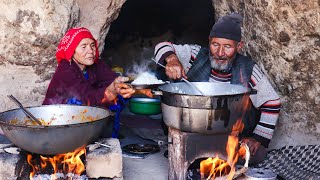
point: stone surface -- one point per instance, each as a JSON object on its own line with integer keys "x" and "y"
{"x": 32, "y": 29}
{"x": 97, "y": 15}
{"x": 23, "y": 83}
{"x": 29, "y": 34}
{"x": 7, "y": 164}
{"x": 104, "y": 161}
{"x": 283, "y": 37}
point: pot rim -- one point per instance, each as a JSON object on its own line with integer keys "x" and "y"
{"x": 241, "y": 89}
{"x": 145, "y": 100}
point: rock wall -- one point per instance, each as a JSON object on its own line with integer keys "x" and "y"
{"x": 97, "y": 15}
{"x": 29, "y": 34}
{"x": 283, "y": 36}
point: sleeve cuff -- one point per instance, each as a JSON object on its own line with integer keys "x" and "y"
{"x": 264, "y": 141}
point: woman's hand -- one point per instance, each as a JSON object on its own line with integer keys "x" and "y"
{"x": 124, "y": 90}
{"x": 118, "y": 87}
{"x": 146, "y": 92}
{"x": 174, "y": 68}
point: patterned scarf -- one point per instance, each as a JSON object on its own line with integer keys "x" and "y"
{"x": 70, "y": 41}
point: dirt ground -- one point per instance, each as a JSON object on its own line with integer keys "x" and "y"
{"x": 143, "y": 129}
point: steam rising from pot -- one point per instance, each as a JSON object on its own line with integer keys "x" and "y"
{"x": 138, "y": 68}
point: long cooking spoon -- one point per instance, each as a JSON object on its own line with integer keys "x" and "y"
{"x": 28, "y": 113}
{"x": 182, "y": 78}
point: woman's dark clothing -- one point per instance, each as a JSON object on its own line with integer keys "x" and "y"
{"x": 68, "y": 82}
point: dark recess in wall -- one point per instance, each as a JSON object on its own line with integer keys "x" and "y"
{"x": 144, "y": 23}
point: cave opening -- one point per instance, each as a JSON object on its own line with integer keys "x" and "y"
{"x": 142, "y": 24}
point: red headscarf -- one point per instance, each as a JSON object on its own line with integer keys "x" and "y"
{"x": 70, "y": 41}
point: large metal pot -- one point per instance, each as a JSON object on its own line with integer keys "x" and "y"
{"x": 68, "y": 127}
{"x": 215, "y": 112}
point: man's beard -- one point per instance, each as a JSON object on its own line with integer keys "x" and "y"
{"x": 225, "y": 67}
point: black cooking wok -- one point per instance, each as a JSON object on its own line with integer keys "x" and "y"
{"x": 67, "y": 127}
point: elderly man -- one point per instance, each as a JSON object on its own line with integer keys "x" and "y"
{"x": 222, "y": 63}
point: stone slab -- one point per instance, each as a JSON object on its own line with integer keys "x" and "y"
{"x": 104, "y": 162}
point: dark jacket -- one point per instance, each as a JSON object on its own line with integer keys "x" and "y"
{"x": 68, "y": 82}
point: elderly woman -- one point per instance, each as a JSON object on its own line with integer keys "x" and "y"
{"x": 80, "y": 77}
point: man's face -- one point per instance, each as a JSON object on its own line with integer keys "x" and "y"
{"x": 222, "y": 52}
{"x": 85, "y": 52}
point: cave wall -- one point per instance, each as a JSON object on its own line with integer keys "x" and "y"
{"x": 283, "y": 36}
{"x": 29, "y": 34}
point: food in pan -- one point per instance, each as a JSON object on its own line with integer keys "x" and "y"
{"x": 146, "y": 78}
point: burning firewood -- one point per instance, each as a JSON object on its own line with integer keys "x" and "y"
{"x": 216, "y": 168}
{"x": 246, "y": 164}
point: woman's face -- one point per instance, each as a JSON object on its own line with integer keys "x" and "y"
{"x": 85, "y": 53}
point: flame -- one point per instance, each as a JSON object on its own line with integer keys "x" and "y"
{"x": 215, "y": 167}
{"x": 62, "y": 163}
{"x": 29, "y": 159}
{"x": 242, "y": 152}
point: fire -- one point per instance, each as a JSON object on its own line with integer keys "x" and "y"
{"x": 62, "y": 163}
{"x": 216, "y": 167}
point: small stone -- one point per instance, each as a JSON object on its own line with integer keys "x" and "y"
{"x": 12, "y": 150}
{"x": 284, "y": 37}
{"x": 317, "y": 100}
{"x": 290, "y": 88}
{"x": 2, "y": 146}
{"x": 285, "y": 14}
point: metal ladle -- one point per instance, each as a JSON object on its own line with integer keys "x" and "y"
{"x": 28, "y": 113}
{"x": 182, "y": 78}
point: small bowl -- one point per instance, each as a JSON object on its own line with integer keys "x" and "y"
{"x": 145, "y": 106}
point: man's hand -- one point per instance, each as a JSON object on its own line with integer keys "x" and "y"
{"x": 252, "y": 144}
{"x": 174, "y": 68}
